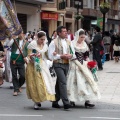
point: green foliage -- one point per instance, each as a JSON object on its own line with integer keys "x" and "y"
{"x": 77, "y": 17}
{"x": 105, "y": 5}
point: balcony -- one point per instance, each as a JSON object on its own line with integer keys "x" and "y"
{"x": 112, "y": 13}
{"x": 31, "y": 1}
{"x": 70, "y": 6}
{"x": 51, "y": 5}
{"x": 91, "y": 12}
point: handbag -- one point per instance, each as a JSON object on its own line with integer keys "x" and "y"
{"x": 52, "y": 71}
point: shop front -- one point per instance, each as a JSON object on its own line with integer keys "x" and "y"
{"x": 114, "y": 24}
{"x": 49, "y": 22}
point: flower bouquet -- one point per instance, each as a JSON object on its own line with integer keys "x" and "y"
{"x": 35, "y": 58}
{"x": 92, "y": 65}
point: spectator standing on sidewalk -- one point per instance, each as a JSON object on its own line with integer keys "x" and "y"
{"x": 113, "y": 38}
{"x": 116, "y": 48}
{"x": 107, "y": 43}
{"x": 97, "y": 47}
{"x": 54, "y": 35}
{"x": 70, "y": 36}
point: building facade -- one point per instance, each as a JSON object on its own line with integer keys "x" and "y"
{"x": 65, "y": 12}
{"x": 48, "y": 14}
{"x": 91, "y": 13}
{"x": 28, "y": 13}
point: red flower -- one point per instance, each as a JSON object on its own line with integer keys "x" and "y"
{"x": 92, "y": 64}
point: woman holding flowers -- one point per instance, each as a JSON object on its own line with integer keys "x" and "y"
{"x": 39, "y": 83}
{"x": 81, "y": 85}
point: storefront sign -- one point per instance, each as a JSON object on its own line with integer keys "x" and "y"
{"x": 49, "y": 16}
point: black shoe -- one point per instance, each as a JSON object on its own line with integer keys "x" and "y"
{"x": 87, "y": 104}
{"x": 39, "y": 104}
{"x": 100, "y": 69}
{"x": 11, "y": 87}
{"x": 72, "y": 103}
{"x": 56, "y": 106}
{"x": 67, "y": 107}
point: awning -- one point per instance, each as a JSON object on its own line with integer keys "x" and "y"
{"x": 113, "y": 21}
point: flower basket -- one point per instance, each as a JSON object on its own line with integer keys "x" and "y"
{"x": 104, "y": 10}
{"x": 104, "y": 7}
{"x": 77, "y": 17}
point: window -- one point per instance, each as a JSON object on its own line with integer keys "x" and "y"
{"x": 71, "y": 3}
{"x": 23, "y": 21}
{"x": 85, "y": 3}
{"x": 95, "y": 4}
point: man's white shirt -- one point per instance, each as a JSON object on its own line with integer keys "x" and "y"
{"x": 51, "y": 50}
{"x": 20, "y": 45}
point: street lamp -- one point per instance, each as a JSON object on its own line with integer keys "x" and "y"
{"x": 103, "y": 30}
{"x": 104, "y": 8}
{"x": 77, "y": 6}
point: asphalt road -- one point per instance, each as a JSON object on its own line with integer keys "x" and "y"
{"x": 107, "y": 108}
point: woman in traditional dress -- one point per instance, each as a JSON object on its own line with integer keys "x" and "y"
{"x": 39, "y": 83}
{"x": 1, "y": 63}
{"x": 80, "y": 82}
{"x": 8, "y": 74}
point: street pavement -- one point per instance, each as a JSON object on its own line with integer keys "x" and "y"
{"x": 107, "y": 108}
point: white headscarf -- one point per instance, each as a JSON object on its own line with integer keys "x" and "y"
{"x": 77, "y": 34}
{"x": 33, "y": 44}
{"x": 84, "y": 47}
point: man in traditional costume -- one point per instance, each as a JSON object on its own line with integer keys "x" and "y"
{"x": 18, "y": 61}
{"x": 62, "y": 47}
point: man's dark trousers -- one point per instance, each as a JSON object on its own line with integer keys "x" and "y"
{"x": 97, "y": 57}
{"x": 61, "y": 84}
{"x": 18, "y": 68}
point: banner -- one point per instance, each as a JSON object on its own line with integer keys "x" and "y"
{"x": 100, "y": 22}
{"x": 49, "y": 16}
{"x": 9, "y": 23}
